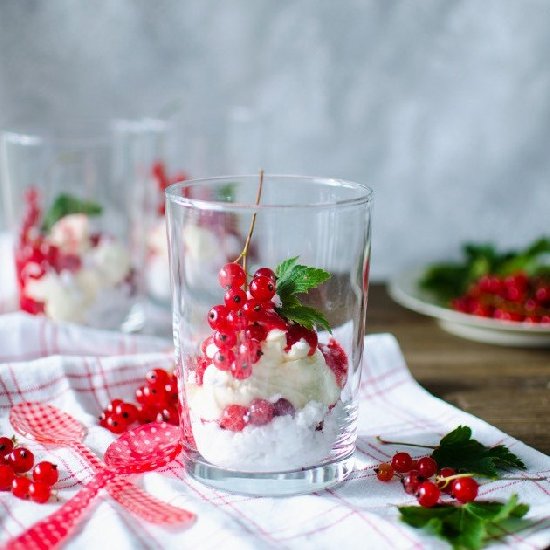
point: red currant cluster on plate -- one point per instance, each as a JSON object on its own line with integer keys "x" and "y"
{"x": 157, "y": 401}
{"x": 516, "y": 298}
{"x": 415, "y": 476}
{"x": 15, "y": 462}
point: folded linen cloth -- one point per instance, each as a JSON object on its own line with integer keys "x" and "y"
{"x": 80, "y": 370}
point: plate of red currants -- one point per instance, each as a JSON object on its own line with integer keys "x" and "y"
{"x": 493, "y": 297}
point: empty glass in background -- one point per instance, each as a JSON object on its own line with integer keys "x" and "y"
{"x": 69, "y": 229}
{"x": 306, "y": 437}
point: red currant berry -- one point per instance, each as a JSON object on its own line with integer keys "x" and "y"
{"x": 251, "y": 351}
{"x": 225, "y": 339}
{"x": 6, "y": 446}
{"x": 116, "y": 424}
{"x": 39, "y": 492}
{"x": 284, "y": 407}
{"x": 171, "y": 392}
{"x": 260, "y": 412}
{"x": 234, "y": 298}
{"x": 21, "y": 460}
{"x": 223, "y": 359}
{"x": 265, "y": 272}
{"x": 256, "y": 332}
{"x": 151, "y": 395}
{"x": 236, "y": 320}
{"x": 146, "y": 414}
{"x": 202, "y": 365}
{"x": 241, "y": 368}
{"x": 45, "y": 472}
{"x": 157, "y": 377}
{"x": 128, "y": 411}
{"x": 428, "y": 494}
{"x": 465, "y": 489}
{"x": 411, "y": 482}
{"x": 401, "y": 462}
{"x": 427, "y": 466}
{"x": 169, "y": 415}
{"x": 20, "y": 487}
{"x": 271, "y": 321}
{"x": 296, "y": 333}
{"x": 234, "y": 418}
{"x": 254, "y": 310}
{"x": 6, "y": 477}
{"x": 262, "y": 288}
{"x": 113, "y": 405}
{"x": 217, "y": 317}
{"x": 384, "y": 472}
{"x": 232, "y": 275}
{"x": 445, "y": 486}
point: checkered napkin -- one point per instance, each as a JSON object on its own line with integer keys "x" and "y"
{"x": 80, "y": 370}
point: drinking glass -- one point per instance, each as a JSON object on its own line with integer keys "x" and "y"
{"x": 269, "y": 361}
{"x": 69, "y": 228}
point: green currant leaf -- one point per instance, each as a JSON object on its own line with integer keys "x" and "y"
{"x": 458, "y": 450}
{"x": 66, "y": 204}
{"x": 470, "y": 526}
{"x": 293, "y": 279}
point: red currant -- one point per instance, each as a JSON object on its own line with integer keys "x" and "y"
{"x": 205, "y": 343}
{"x": 6, "y": 446}
{"x": 45, "y": 472}
{"x": 256, "y": 332}
{"x": 262, "y": 288}
{"x": 113, "y": 405}
{"x": 428, "y": 494}
{"x": 464, "y": 489}
{"x": 427, "y": 466}
{"x": 151, "y": 395}
{"x": 251, "y": 351}
{"x": 265, "y": 272}
{"x": 223, "y": 359}
{"x": 146, "y": 414}
{"x": 20, "y": 487}
{"x": 237, "y": 320}
{"x": 225, "y": 339}
{"x": 411, "y": 481}
{"x": 6, "y": 477}
{"x": 169, "y": 415}
{"x": 283, "y": 407}
{"x": 401, "y": 462}
{"x": 157, "y": 377}
{"x": 217, "y": 317}
{"x": 232, "y": 275}
{"x": 128, "y": 411}
{"x": 260, "y": 412}
{"x": 39, "y": 492}
{"x": 296, "y": 333}
{"x": 384, "y": 472}
{"x": 446, "y": 487}
{"x": 116, "y": 424}
{"x": 21, "y": 460}
{"x": 234, "y": 418}
{"x": 254, "y": 310}
{"x": 241, "y": 368}
{"x": 271, "y": 321}
{"x": 234, "y": 298}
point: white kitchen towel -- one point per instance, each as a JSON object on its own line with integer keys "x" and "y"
{"x": 80, "y": 370}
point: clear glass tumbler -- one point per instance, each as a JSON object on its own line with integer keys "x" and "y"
{"x": 269, "y": 288}
{"x": 69, "y": 228}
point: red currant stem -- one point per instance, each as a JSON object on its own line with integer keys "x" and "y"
{"x": 386, "y": 442}
{"x": 448, "y": 479}
{"x": 243, "y": 255}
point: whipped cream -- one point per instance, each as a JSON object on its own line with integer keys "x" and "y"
{"x": 67, "y": 296}
{"x": 294, "y": 375}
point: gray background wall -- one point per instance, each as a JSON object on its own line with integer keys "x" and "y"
{"x": 443, "y": 107}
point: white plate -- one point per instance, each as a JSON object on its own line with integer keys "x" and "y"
{"x": 405, "y": 290}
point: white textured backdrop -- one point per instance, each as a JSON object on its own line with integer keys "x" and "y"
{"x": 443, "y": 107}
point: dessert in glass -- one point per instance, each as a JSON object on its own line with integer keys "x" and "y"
{"x": 71, "y": 258}
{"x": 269, "y": 344}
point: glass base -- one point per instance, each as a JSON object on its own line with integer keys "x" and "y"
{"x": 307, "y": 480}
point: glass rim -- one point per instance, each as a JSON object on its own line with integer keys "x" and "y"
{"x": 174, "y": 196}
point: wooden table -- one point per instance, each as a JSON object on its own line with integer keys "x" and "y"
{"x": 507, "y": 387}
